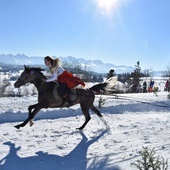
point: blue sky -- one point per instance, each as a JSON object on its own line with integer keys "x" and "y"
{"x": 121, "y": 32}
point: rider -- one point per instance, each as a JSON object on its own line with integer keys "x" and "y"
{"x": 65, "y": 79}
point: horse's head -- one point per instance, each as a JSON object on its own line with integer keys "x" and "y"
{"x": 29, "y": 75}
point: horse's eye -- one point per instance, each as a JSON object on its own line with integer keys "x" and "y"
{"x": 32, "y": 72}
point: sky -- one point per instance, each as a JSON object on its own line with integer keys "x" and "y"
{"x": 120, "y": 32}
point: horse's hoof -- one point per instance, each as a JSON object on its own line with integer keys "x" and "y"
{"x": 31, "y": 123}
{"x": 79, "y": 128}
{"x": 17, "y": 126}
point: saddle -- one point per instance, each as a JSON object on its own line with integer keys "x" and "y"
{"x": 72, "y": 95}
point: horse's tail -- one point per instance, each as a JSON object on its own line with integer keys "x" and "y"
{"x": 109, "y": 84}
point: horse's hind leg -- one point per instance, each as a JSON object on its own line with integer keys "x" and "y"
{"x": 85, "y": 111}
{"x": 95, "y": 110}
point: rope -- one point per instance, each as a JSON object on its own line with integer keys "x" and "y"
{"x": 128, "y": 98}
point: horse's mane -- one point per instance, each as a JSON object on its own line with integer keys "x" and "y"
{"x": 37, "y": 69}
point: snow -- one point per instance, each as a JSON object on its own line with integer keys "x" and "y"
{"x": 54, "y": 143}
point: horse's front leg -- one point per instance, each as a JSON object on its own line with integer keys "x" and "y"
{"x": 37, "y": 108}
{"x": 30, "y": 112}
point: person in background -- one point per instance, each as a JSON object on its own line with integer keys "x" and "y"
{"x": 138, "y": 88}
{"x": 167, "y": 86}
{"x": 65, "y": 79}
{"x": 144, "y": 87}
{"x": 111, "y": 73}
{"x": 151, "y": 85}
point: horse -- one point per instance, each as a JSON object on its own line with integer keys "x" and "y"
{"x": 49, "y": 97}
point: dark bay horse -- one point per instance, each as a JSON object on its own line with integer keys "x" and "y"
{"x": 47, "y": 99}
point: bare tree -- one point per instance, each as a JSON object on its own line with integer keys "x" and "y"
{"x": 147, "y": 73}
{"x": 2, "y": 88}
{"x": 166, "y": 72}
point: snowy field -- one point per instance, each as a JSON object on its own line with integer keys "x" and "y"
{"x": 53, "y": 143}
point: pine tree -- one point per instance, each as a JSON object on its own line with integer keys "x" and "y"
{"x": 136, "y": 75}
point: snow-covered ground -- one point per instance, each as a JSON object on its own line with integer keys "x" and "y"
{"x": 54, "y": 143}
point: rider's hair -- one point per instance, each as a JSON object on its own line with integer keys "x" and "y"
{"x": 54, "y": 62}
{"x": 48, "y": 58}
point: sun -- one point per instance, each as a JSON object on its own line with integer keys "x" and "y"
{"x": 107, "y": 6}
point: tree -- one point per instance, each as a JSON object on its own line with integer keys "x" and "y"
{"x": 166, "y": 72}
{"x": 146, "y": 73}
{"x": 124, "y": 77}
{"x": 136, "y": 75}
{"x": 149, "y": 161}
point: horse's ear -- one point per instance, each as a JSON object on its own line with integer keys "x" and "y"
{"x": 26, "y": 68}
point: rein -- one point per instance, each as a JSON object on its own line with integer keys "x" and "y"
{"x": 160, "y": 104}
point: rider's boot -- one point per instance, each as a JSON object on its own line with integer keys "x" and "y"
{"x": 67, "y": 100}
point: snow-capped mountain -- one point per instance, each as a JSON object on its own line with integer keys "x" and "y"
{"x": 90, "y": 65}
{"x": 20, "y": 59}
{"x": 98, "y": 66}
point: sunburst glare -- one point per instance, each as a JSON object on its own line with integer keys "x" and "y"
{"x": 107, "y": 6}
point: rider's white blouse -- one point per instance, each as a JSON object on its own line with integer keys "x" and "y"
{"x": 55, "y": 73}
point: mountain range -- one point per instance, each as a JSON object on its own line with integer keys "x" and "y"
{"x": 90, "y": 65}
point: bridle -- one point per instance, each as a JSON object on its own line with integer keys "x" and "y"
{"x": 25, "y": 78}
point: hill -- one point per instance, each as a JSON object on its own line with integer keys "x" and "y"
{"x": 91, "y": 65}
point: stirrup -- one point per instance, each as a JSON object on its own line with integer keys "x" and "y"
{"x": 65, "y": 103}
{"x": 67, "y": 100}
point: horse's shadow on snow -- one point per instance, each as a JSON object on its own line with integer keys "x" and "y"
{"x": 76, "y": 159}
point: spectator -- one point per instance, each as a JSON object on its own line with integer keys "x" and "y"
{"x": 167, "y": 86}
{"x": 151, "y": 86}
{"x": 144, "y": 87}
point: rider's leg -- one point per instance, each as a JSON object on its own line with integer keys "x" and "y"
{"x": 65, "y": 91}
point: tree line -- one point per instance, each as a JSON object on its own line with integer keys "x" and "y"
{"x": 86, "y": 75}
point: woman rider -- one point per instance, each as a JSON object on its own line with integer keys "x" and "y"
{"x": 65, "y": 79}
